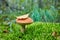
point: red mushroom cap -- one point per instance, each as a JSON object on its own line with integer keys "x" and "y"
{"x": 24, "y": 21}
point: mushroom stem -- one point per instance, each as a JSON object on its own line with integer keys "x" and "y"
{"x": 23, "y": 28}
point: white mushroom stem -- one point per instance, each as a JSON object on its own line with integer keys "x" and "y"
{"x": 23, "y": 28}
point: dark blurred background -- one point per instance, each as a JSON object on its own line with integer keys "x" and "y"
{"x": 39, "y": 10}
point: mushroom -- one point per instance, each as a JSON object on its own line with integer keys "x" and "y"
{"x": 23, "y": 21}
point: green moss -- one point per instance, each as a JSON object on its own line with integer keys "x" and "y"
{"x": 34, "y": 31}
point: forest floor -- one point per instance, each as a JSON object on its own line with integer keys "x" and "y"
{"x": 34, "y": 31}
